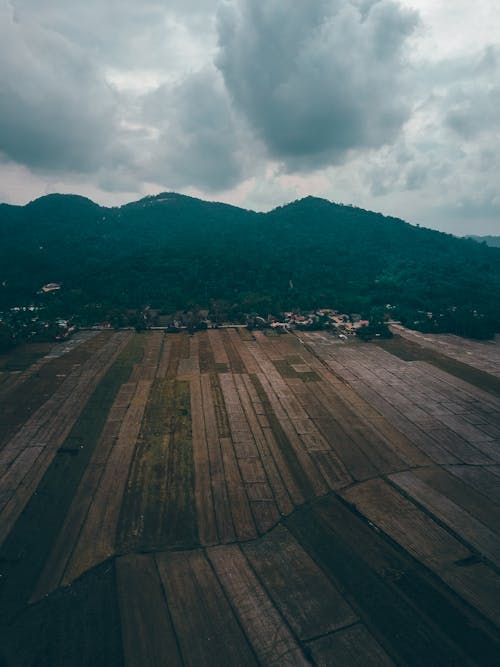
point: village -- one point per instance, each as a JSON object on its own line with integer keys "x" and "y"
{"x": 33, "y": 323}
{"x": 48, "y": 318}
{"x": 340, "y": 324}
{"x": 39, "y": 322}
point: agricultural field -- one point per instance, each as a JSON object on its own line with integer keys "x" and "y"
{"x": 236, "y": 498}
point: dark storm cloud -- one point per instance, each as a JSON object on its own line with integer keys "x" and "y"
{"x": 56, "y": 110}
{"x": 62, "y": 110}
{"x": 198, "y": 143}
{"x": 319, "y": 79}
{"x": 471, "y": 105}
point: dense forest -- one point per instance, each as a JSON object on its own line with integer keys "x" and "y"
{"x": 173, "y": 253}
{"x": 493, "y": 241}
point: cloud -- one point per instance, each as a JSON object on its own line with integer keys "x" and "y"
{"x": 471, "y": 104}
{"x": 198, "y": 142}
{"x": 319, "y": 79}
{"x": 128, "y": 35}
{"x": 56, "y": 110}
{"x": 360, "y": 101}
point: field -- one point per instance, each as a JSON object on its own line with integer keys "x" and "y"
{"x": 233, "y": 498}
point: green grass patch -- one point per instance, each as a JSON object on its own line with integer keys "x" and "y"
{"x": 159, "y": 508}
{"x": 206, "y": 355}
{"x": 284, "y": 368}
{"x": 179, "y": 350}
{"x": 235, "y": 361}
{"x": 220, "y": 409}
{"x": 294, "y": 359}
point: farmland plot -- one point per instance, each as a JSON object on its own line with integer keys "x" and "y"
{"x": 234, "y": 498}
{"x": 484, "y": 356}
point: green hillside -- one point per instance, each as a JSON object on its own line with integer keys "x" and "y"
{"x": 177, "y": 253}
{"x": 493, "y": 241}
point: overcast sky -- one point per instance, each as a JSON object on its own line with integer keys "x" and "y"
{"x": 389, "y": 105}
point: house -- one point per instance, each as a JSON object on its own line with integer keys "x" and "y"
{"x": 50, "y": 287}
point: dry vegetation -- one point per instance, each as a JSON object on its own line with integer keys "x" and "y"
{"x": 230, "y": 498}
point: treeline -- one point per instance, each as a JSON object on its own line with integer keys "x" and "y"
{"x": 493, "y": 241}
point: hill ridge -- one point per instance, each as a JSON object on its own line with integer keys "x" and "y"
{"x": 174, "y": 252}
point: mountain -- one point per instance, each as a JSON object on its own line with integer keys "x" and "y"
{"x": 177, "y": 252}
{"x": 492, "y": 241}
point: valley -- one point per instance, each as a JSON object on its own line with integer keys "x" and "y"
{"x": 237, "y": 497}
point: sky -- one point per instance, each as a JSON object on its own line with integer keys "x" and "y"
{"x": 390, "y": 105}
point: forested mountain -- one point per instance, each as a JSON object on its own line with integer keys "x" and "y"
{"x": 174, "y": 252}
{"x": 493, "y": 241}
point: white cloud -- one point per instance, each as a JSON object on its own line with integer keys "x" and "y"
{"x": 454, "y": 29}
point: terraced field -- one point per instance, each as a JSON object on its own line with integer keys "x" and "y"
{"x": 231, "y": 498}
